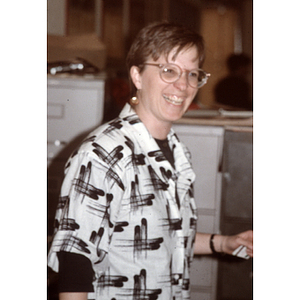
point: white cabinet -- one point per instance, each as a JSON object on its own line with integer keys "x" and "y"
{"x": 74, "y": 106}
{"x": 206, "y": 146}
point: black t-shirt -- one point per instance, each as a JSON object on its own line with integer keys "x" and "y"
{"x": 165, "y": 148}
{"x": 75, "y": 273}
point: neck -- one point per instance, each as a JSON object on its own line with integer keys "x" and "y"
{"x": 158, "y": 130}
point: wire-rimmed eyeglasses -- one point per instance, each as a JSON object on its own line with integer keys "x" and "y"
{"x": 170, "y": 73}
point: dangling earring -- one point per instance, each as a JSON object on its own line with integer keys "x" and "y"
{"x": 134, "y": 101}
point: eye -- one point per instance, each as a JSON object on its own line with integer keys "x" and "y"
{"x": 170, "y": 73}
{"x": 169, "y": 70}
{"x": 194, "y": 74}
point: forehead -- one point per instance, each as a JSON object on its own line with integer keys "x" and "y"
{"x": 187, "y": 55}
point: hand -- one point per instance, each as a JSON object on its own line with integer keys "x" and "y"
{"x": 73, "y": 296}
{"x": 231, "y": 242}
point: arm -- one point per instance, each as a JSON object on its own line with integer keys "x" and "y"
{"x": 223, "y": 243}
{"x": 72, "y": 296}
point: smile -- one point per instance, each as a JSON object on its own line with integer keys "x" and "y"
{"x": 173, "y": 99}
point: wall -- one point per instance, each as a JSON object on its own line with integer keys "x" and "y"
{"x": 217, "y": 27}
{"x": 56, "y": 17}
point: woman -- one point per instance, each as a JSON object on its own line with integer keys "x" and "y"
{"x": 126, "y": 219}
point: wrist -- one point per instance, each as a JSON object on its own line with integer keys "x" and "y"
{"x": 212, "y": 244}
{"x": 217, "y": 243}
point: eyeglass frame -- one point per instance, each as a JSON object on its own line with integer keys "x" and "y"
{"x": 161, "y": 67}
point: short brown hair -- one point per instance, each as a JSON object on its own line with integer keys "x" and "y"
{"x": 161, "y": 38}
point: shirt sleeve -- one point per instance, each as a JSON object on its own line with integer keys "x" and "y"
{"x": 87, "y": 210}
{"x": 75, "y": 273}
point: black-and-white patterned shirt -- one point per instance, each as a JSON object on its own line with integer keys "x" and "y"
{"x": 118, "y": 208}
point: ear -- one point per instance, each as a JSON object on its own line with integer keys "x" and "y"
{"x": 136, "y": 77}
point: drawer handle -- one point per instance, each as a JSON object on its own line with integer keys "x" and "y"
{"x": 227, "y": 176}
{"x": 57, "y": 143}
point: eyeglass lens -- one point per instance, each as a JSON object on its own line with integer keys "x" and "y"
{"x": 171, "y": 73}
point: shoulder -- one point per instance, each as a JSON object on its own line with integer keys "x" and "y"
{"x": 111, "y": 140}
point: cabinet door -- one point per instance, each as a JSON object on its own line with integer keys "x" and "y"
{"x": 235, "y": 274}
{"x": 205, "y": 145}
{"x": 74, "y": 107}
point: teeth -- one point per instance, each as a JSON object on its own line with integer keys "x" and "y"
{"x": 173, "y": 99}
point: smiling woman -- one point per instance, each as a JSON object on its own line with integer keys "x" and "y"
{"x": 165, "y": 93}
{"x": 161, "y": 39}
{"x": 161, "y": 103}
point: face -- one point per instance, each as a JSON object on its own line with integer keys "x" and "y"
{"x": 163, "y": 103}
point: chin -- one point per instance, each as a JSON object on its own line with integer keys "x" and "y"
{"x": 174, "y": 112}
{"x": 175, "y": 116}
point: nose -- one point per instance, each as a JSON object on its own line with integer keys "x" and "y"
{"x": 182, "y": 82}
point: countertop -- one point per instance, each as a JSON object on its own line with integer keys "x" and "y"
{"x": 234, "y": 120}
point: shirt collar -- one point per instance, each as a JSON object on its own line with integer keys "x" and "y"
{"x": 163, "y": 169}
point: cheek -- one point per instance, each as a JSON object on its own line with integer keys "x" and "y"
{"x": 151, "y": 85}
{"x": 194, "y": 93}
